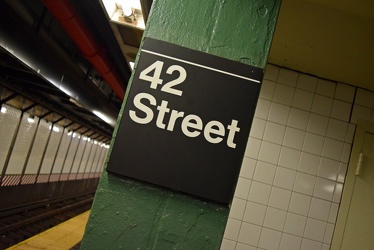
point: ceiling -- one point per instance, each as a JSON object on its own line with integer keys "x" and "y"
{"x": 331, "y": 39}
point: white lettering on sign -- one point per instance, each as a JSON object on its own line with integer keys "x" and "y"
{"x": 155, "y": 79}
{"x": 191, "y": 125}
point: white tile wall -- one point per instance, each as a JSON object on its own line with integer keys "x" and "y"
{"x": 293, "y": 172}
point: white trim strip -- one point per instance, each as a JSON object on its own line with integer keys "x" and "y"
{"x": 201, "y": 66}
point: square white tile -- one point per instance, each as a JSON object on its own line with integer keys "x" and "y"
{"x": 269, "y": 152}
{"x": 228, "y": 244}
{"x": 279, "y": 113}
{"x": 267, "y": 89}
{"x": 294, "y": 138}
{"x": 325, "y": 87}
{"x": 274, "y": 132}
{"x": 344, "y": 92}
{"x": 310, "y": 245}
{"x": 338, "y": 192}
{"x": 241, "y": 246}
{"x": 317, "y": 124}
{"x": 269, "y": 239}
{"x": 283, "y": 94}
{"x": 289, "y": 158}
{"x": 346, "y": 152}
{"x": 324, "y": 189}
{"x": 341, "y": 110}
{"x": 333, "y": 213}
{"x": 315, "y": 229}
{"x": 300, "y": 203}
{"x": 329, "y": 233}
{"x": 313, "y": 143}
{"x": 259, "y": 193}
{"x": 350, "y": 133}
{"x": 284, "y": 178}
{"x": 325, "y": 247}
{"x": 249, "y": 234}
{"x": 337, "y": 129}
{"x": 307, "y": 82}
{"x": 254, "y": 213}
{"x": 328, "y": 169}
{"x": 365, "y": 98}
{"x": 289, "y": 241}
{"x": 237, "y": 208}
{"x": 257, "y": 128}
{"x": 275, "y": 218}
{"x": 279, "y": 198}
{"x": 295, "y": 224}
{"x": 232, "y": 229}
{"x": 253, "y": 148}
{"x": 360, "y": 112}
{"x": 342, "y": 172}
{"x": 288, "y": 77}
{"x": 303, "y": 99}
{"x": 304, "y": 183}
{"x": 309, "y": 163}
{"x": 262, "y": 108}
{"x": 242, "y": 188}
{"x": 271, "y": 72}
{"x": 333, "y": 149}
{"x": 319, "y": 209}
{"x": 298, "y": 119}
{"x": 248, "y": 168}
{"x": 322, "y": 105}
{"x": 264, "y": 172}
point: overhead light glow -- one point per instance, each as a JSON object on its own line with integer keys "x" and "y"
{"x": 3, "y": 110}
{"x": 104, "y": 117}
{"x": 30, "y": 120}
{"x": 55, "y": 129}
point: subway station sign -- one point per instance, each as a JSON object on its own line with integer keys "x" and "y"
{"x": 186, "y": 121}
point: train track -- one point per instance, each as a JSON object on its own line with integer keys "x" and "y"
{"x": 22, "y": 223}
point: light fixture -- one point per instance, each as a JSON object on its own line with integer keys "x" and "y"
{"x": 104, "y": 117}
{"x": 3, "y": 110}
{"x": 31, "y": 119}
{"x": 70, "y": 133}
{"x": 132, "y": 65}
{"x": 127, "y": 11}
{"x": 54, "y": 128}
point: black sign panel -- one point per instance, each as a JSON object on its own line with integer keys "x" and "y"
{"x": 186, "y": 121}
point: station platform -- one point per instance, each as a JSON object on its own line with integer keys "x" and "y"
{"x": 64, "y": 236}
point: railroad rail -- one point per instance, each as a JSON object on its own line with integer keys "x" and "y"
{"x": 19, "y": 224}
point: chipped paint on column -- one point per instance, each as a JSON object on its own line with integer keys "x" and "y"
{"x": 129, "y": 214}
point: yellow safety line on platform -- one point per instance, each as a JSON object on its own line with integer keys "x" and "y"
{"x": 61, "y": 237}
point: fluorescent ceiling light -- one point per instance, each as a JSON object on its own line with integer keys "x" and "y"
{"x": 104, "y": 117}
{"x": 3, "y": 110}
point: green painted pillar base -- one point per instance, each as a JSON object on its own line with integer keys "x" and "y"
{"x": 129, "y": 214}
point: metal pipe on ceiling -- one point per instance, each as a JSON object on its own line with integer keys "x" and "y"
{"x": 26, "y": 46}
{"x": 69, "y": 19}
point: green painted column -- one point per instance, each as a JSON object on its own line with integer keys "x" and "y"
{"x": 129, "y": 214}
